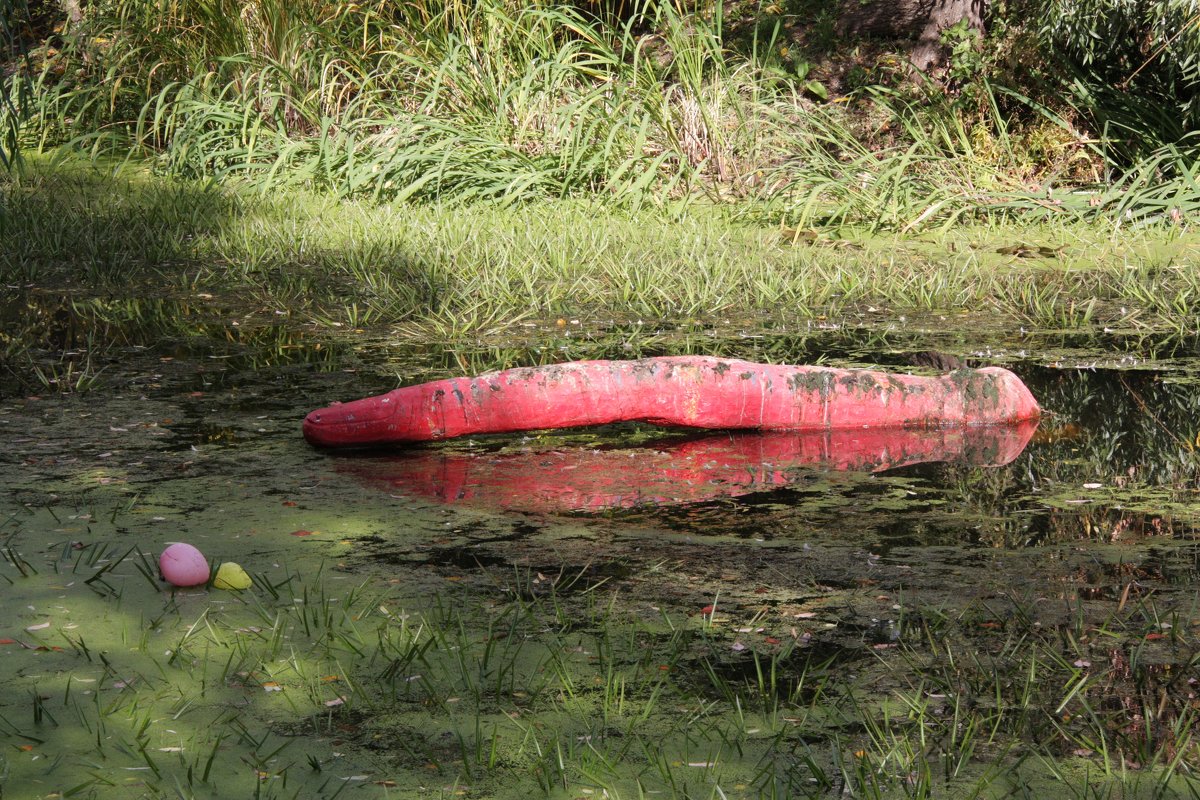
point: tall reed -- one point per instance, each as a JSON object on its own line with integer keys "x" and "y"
{"x": 510, "y": 102}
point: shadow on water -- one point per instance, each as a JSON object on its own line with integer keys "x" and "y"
{"x": 98, "y": 266}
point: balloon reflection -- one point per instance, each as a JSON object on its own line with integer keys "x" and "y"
{"x": 676, "y": 471}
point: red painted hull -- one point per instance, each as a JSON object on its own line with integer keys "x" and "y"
{"x": 547, "y": 479}
{"x": 688, "y": 391}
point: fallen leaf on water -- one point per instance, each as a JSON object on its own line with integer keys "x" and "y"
{"x": 272, "y": 686}
{"x": 303, "y": 532}
{"x": 337, "y": 701}
{"x": 707, "y": 609}
{"x": 40, "y": 626}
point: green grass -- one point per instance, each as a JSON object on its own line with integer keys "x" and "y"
{"x": 450, "y": 271}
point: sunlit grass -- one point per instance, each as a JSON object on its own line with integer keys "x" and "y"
{"x": 449, "y": 270}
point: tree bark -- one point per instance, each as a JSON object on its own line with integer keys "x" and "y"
{"x": 921, "y": 21}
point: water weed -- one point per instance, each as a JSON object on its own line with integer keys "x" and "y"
{"x": 772, "y": 645}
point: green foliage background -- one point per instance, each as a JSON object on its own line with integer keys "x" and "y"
{"x": 511, "y": 101}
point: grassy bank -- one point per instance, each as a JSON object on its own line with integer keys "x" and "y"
{"x": 448, "y": 270}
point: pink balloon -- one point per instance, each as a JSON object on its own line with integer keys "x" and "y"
{"x": 183, "y": 565}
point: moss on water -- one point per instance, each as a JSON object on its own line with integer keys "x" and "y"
{"x": 404, "y": 648}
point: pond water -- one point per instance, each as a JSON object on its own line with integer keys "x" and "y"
{"x": 130, "y": 425}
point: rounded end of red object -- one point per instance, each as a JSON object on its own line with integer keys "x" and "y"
{"x": 313, "y": 433}
{"x": 1017, "y": 403}
{"x": 355, "y": 424}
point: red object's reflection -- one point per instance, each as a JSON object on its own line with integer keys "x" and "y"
{"x": 679, "y": 471}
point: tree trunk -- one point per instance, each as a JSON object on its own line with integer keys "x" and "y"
{"x": 74, "y": 12}
{"x": 922, "y": 21}
{"x": 74, "y": 26}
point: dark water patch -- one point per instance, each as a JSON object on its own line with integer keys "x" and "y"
{"x": 463, "y": 558}
{"x": 522, "y": 576}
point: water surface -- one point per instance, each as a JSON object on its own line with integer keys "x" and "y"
{"x": 133, "y": 424}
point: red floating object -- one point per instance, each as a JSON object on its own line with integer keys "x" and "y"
{"x": 689, "y": 391}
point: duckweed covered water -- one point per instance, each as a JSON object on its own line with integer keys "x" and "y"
{"x": 428, "y": 623}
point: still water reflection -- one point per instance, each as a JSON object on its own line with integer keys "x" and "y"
{"x": 543, "y": 477}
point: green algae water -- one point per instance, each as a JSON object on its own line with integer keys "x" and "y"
{"x": 428, "y": 623}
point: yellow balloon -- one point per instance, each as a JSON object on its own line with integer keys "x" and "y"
{"x": 231, "y": 576}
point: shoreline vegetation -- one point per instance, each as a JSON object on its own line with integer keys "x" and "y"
{"x": 511, "y": 103}
{"x": 454, "y": 167}
{"x": 444, "y": 271}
